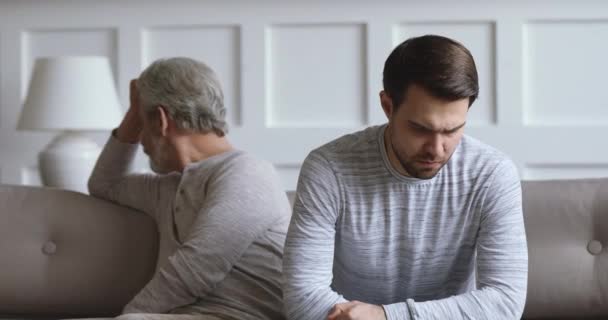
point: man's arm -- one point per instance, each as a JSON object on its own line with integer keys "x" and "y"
{"x": 309, "y": 248}
{"x": 502, "y": 261}
{"x": 239, "y": 207}
{"x": 111, "y": 178}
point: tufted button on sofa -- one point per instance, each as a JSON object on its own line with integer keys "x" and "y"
{"x": 66, "y": 254}
{"x": 567, "y": 229}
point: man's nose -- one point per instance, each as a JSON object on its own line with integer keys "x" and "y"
{"x": 434, "y": 146}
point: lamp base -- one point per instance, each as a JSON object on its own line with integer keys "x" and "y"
{"x": 67, "y": 162}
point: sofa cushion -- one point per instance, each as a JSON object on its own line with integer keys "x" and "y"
{"x": 68, "y": 254}
{"x": 567, "y": 229}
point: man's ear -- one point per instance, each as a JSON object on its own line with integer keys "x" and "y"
{"x": 387, "y": 104}
{"x": 163, "y": 121}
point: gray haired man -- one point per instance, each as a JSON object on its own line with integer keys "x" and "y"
{"x": 222, "y": 214}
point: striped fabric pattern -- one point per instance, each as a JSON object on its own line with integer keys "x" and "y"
{"x": 451, "y": 247}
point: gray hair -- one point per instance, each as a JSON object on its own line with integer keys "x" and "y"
{"x": 188, "y": 90}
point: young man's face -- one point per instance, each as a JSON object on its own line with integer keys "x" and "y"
{"x": 423, "y": 132}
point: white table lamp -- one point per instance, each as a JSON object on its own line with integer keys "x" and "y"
{"x": 72, "y": 95}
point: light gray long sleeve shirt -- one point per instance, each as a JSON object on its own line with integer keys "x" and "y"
{"x": 222, "y": 225}
{"x": 452, "y": 247}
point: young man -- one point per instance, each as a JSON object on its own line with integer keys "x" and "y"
{"x": 411, "y": 219}
{"x": 222, "y": 214}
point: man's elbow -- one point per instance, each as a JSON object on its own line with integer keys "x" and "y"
{"x": 98, "y": 187}
{"x": 519, "y": 303}
{"x": 93, "y": 186}
{"x": 303, "y": 302}
{"x": 512, "y": 302}
{"x": 292, "y": 298}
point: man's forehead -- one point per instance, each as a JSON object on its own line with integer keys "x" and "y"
{"x": 435, "y": 117}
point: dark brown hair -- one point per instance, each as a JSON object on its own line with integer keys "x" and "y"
{"x": 440, "y": 65}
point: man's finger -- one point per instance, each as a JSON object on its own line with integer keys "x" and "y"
{"x": 345, "y": 309}
{"x": 334, "y": 313}
{"x": 133, "y": 94}
{"x": 340, "y": 310}
{"x": 133, "y": 85}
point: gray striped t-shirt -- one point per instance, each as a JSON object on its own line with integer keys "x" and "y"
{"x": 452, "y": 247}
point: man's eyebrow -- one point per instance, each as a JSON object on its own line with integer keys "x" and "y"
{"x": 421, "y": 126}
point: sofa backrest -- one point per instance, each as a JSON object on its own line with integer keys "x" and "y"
{"x": 567, "y": 230}
{"x": 68, "y": 254}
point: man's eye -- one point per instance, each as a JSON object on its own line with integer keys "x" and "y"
{"x": 451, "y": 132}
{"x": 419, "y": 129}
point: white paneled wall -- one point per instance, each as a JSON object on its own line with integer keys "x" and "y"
{"x": 316, "y": 75}
{"x": 297, "y": 74}
{"x": 565, "y": 68}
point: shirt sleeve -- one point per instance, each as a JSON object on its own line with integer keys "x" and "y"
{"x": 309, "y": 247}
{"x": 502, "y": 261}
{"x": 112, "y": 180}
{"x": 240, "y": 205}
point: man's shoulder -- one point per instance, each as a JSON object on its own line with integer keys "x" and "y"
{"x": 231, "y": 165}
{"x": 474, "y": 146}
{"x": 245, "y": 162}
{"x": 477, "y": 157}
{"x": 360, "y": 142}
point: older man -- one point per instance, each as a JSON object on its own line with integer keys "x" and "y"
{"x": 222, "y": 214}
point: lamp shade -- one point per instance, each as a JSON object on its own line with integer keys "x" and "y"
{"x": 71, "y": 93}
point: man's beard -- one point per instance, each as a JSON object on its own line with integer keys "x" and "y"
{"x": 156, "y": 168}
{"x": 155, "y": 158}
{"x": 410, "y": 167}
{"x": 153, "y": 166}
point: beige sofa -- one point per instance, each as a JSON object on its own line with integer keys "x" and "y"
{"x": 65, "y": 254}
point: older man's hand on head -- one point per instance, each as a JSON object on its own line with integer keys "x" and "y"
{"x": 356, "y": 310}
{"x": 130, "y": 128}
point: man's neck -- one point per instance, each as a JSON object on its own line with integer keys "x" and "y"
{"x": 198, "y": 147}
